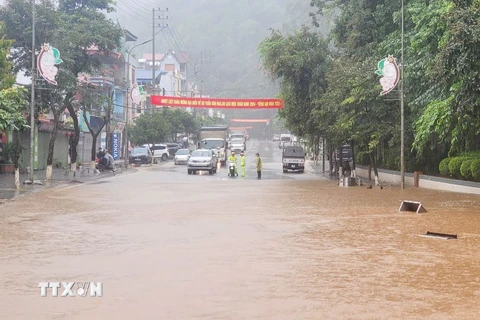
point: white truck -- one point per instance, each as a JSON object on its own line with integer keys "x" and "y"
{"x": 234, "y": 139}
{"x": 215, "y": 139}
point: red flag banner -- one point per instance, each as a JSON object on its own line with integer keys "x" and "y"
{"x": 216, "y": 103}
{"x": 251, "y": 120}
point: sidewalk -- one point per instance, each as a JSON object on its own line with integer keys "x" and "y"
{"x": 59, "y": 176}
{"x": 317, "y": 168}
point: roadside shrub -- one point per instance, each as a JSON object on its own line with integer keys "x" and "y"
{"x": 454, "y": 166}
{"x": 465, "y": 170}
{"x": 443, "y": 167}
{"x": 472, "y": 154}
{"x": 475, "y": 169}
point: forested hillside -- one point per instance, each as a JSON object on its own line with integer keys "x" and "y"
{"x": 230, "y": 30}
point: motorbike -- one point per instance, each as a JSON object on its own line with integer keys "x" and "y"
{"x": 231, "y": 169}
{"x": 100, "y": 166}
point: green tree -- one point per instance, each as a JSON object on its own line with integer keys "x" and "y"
{"x": 96, "y": 102}
{"x": 149, "y": 128}
{"x": 74, "y": 27}
{"x": 12, "y": 104}
{"x": 6, "y": 77}
{"x": 300, "y": 61}
{"x": 451, "y": 117}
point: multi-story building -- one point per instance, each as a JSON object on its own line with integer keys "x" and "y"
{"x": 111, "y": 79}
{"x": 171, "y": 72}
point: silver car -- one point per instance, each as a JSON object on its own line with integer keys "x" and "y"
{"x": 237, "y": 145}
{"x": 181, "y": 156}
{"x": 202, "y": 159}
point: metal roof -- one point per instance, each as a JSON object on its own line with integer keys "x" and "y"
{"x": 142, "y": 74}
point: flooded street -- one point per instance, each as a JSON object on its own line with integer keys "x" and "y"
{"x": 167, "y": 245}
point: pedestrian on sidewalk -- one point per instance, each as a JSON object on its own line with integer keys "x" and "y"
{"x": 108, "y": 159}
{"x": 258, "y": 164}
{"x": 242, "y": 163}
{"x": 100, "y": 153}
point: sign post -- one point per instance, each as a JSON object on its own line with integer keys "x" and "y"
{"x": 390, "y": 72}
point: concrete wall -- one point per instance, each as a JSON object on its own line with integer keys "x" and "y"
{"x": 60, "y": 153}
{"x": 425, "y": 181}
{"x": 84, "y": 147}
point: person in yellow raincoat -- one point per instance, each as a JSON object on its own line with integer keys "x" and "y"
{"x": 259, "y": 166}
{"x": 233, "y": 158}
{"x": 242, "y": 163}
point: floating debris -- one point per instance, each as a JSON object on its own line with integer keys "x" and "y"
{"x": 413, "y": 206}
{"x": 444, "y": 236}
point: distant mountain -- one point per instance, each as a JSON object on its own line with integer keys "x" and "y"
{"x": 226, "y": 31}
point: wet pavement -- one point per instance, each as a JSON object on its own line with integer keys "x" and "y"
{"x": 168, "y": 245}
{"x": 59, "y": 177}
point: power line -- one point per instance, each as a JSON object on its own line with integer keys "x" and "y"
{"x": 143, "y": 6}
{"x": 175, "y": 31}
{"x": 175, "y": 40}
{"x": 144, "y": 20}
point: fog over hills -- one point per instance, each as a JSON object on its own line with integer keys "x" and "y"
{"x": 225, "y": 33}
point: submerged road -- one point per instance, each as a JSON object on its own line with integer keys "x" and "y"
{"x": 167, "y": 245}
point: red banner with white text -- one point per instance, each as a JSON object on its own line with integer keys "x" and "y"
{"x": 216, "y": 103}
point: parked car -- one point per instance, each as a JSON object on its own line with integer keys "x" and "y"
{"x": 159, "y": 151}
{"x": 140, "y": 155}
{"x": 276, "y": 137}
{"x": 181, "y": 156}
{"x": 173, "y": 148}
{"x": 202, "y": 159}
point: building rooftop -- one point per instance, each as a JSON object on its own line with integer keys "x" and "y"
{"x": 143, "y": 75}
{"x": 182, "y": 57}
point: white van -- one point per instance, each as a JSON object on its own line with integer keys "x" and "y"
{"x": 285, "y": 140}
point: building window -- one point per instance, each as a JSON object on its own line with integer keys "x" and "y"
{"x": 169, "y": 67}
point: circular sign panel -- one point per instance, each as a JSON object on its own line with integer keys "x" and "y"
{"x": 136, "y": 96}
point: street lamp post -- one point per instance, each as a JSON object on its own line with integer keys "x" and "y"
{"x": 32, "y": 102}
{"x": 128, "y": 98}
{"x": 402, "y": 124}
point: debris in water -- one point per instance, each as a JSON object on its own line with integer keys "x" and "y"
{"x": 444, "y": 236}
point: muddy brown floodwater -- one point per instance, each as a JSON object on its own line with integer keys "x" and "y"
{"x": 278, "y": 249}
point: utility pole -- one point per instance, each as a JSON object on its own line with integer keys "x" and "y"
{"x": 154, "y": 25}
{"x": 153, "y": 52}
{"x": 32, "y": 101}
{"x": 127, "y": 113}
{"x": 205, "y": 57}
{"x": 129, "y": 90}
{"x": 402, "y": 124}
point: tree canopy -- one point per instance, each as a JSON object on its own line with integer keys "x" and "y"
{"x": 75, "y": 28}
{"x": 342, "y": 101}
{"x": 149, "y": 128}
{"x": 12, "y": 99}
